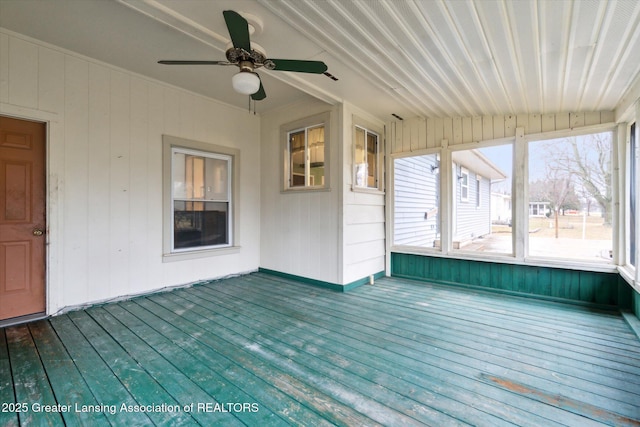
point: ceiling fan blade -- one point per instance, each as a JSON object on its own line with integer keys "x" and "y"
{"x": 189, "y": 62}
{"x": 316, "y": 67}
{"x": 238, "y": 30}
{"x": 260, "y": 94}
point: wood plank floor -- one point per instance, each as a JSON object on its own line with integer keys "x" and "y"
{"x": 260, "y": 350}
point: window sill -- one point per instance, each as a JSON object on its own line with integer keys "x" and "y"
{"x": 305, "y": 190}
{"x": 197, "y": 254}
{"x": 367, "y": 190}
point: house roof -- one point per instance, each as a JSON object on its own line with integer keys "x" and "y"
{"x": 413, "y": 58}
{"x": 479, "y": 163}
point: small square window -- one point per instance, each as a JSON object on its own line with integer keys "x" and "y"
{"x": 366, "y": 158}
{"x": 306, "y": 153}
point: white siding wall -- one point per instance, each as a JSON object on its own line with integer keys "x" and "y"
{"x": 472, "y": 221}
{"x": 299, "y": 229}
{"x": 416, "y": 188}
{"x": 105, "y": 170}
{"x": 363, "y": 233}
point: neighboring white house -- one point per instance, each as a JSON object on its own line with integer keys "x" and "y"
{"x": 539, "y": 209}
{"x": 500, "y": 208}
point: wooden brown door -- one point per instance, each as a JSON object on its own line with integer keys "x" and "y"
{"x": 22, "y": 218}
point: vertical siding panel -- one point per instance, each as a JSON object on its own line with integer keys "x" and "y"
{"x": 487, "y": 127}
{"x": 431, "y": 135}
{"x": 562, "y": 121}
{"x": 406, "y": 136}
{"x": 535, "y": 123}
{"x": 76, "y": 176}
{"x": 606, "y": 288}
{"x": 476, "y": 274}
{"x": 447, "y": 129}
{"x": 154, "y": 186}
{"x": 139, "y": 174}
{"x": 607, "y": 116}
{"x": 463, "y": 269}
{"x": 439, "y": 130}
{"x": 519, "y": 278}
{"x": 467, "y": 129}
{"x": 498, "y": 126}
{"x": 397, "y": 138}
{"x": 187, "y": 120}
{"x": 172, "y": 112}
{"x": 548, "y": 122}
{"x": 99, "y": 183}
{"x": 419, "y": 138}
{"x": 4, "y": 68}
{"x": 120, "y": 256}
{"x": 510, "y": 125}
{"x": 544, "y": 281}
{"x": 588, "y": 287}
{"x": 23, "y": 73}
{"x": 531, "y": 279}
{"x": 457, "y": 130}
{"x": 477, "y": 129}
{"x": 573, "y": 286}
{"x": 50, "y": 79}
{"x": 592, "y": 118}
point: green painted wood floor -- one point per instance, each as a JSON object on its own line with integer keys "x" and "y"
{"x": 260, "y": 350}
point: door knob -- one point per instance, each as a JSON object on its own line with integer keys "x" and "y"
{"x": 38, "y": 232}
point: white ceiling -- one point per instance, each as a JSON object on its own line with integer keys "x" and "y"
{"x": 430, "y": 58}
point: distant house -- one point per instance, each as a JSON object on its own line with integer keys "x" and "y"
{"x": 537, "y": 209}
{"x": 417, "y": 201}
{"x": 500, "y": 208}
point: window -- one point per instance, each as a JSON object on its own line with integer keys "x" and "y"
{"x": 306, "y": 153}
{"x": 463, "y": 179}
{"x": 306, "y": 157}
{"x": 416, "y": 201}
{"x": 570, "y": 187}
{"x": 201, "y": 199}
{"x": 481, "y": 205}
{"x": 366, "y": 158}
{"x": 199, "y": 196}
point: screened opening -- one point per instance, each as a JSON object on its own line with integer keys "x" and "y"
{"x": 481, "y": 200}
{"x": 570, "y": 197}
{"x": 416, "y": 201}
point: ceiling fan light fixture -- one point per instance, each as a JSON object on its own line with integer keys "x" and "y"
{"x": 245, "y": 82}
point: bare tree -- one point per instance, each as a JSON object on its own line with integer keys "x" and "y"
{"x": 557, "y": 189}
{"x": 588, "y": 160}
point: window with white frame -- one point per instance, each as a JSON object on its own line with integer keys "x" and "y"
{"x": 201, "y": 199}
{"x": 306, "y": 153}
{"x": 478, "y": 191}
{"x": 366, "y": 158}
{"x": 200, "y": 196}
{"x": 464, "y": 184}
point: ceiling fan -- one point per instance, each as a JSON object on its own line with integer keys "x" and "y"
{"x": 249, "y": 57}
